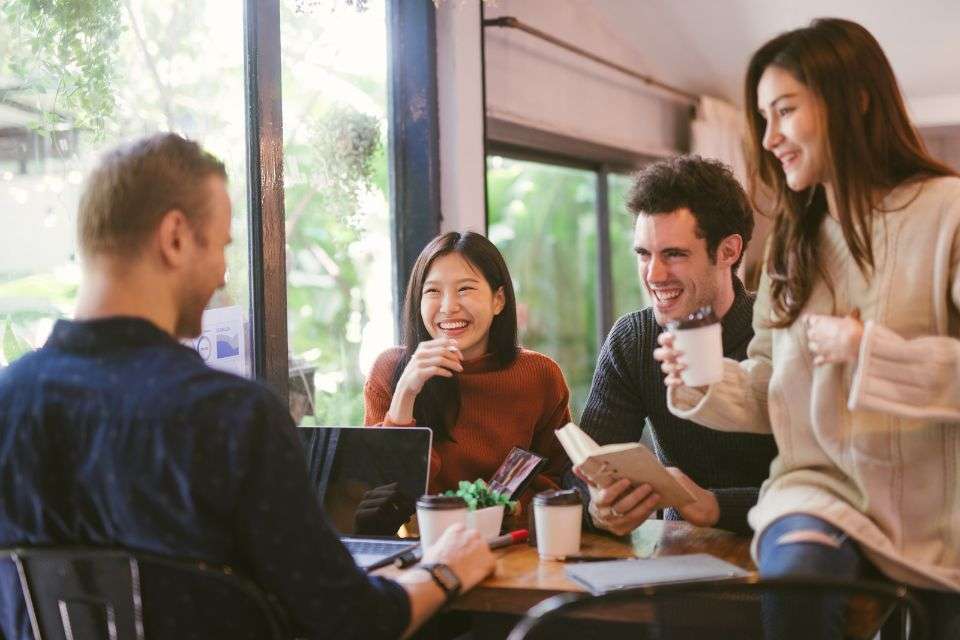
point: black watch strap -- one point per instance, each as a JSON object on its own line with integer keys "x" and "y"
{"x": 445, "y": 578}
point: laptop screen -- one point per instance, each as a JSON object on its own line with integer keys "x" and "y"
{"x": 348, "y": 463}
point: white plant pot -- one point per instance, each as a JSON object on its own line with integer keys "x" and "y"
{"x": 486, "y": 521}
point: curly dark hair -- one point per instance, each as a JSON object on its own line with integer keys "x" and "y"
{"x": 707, "y": 187}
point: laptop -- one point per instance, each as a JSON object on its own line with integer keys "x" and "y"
{"x": 347, "y": 462}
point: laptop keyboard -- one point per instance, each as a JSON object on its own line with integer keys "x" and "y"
{"x": 366, "y": 552}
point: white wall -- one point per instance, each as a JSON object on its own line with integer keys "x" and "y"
{"x": 536, "y": 84}
{"x": 460, "y": 100}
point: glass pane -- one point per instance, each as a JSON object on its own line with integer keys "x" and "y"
{"x": 339, "y": 302}
{"x": 628, "y": 293}
{"x": 543, "y": 218}
{"x": 76, "y": 79}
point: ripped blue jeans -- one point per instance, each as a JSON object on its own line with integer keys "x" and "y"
{"x": 837, "y": 556}
{"x": 802, "y": 545}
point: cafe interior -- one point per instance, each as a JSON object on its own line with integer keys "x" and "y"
{"x": 353, "y": 133}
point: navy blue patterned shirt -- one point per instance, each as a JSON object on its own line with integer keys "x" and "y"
{"x": 114, "y": 434}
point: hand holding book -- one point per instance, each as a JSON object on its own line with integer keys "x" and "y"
{"x": 602, "y": 466}
{"x": 627, "y": 483}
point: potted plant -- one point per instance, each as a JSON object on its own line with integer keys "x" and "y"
{"x": 485, "y": 507}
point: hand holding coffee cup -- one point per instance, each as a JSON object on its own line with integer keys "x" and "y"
{"x": 691, "y": 351}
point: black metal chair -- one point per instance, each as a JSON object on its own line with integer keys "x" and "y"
{"x": 728, "y": 609}
{"x": 115, "y": 594}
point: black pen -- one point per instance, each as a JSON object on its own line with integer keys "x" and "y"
{"x": 591, "y": 558}
{"x": 409, "y": 558}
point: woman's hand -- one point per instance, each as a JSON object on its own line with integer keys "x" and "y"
{"x": 669, "y": 359}
{"x": 832, "y": 339}
{"x": 440, "y": 357}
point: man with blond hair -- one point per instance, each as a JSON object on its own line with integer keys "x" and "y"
{"x": 115, "y": 435}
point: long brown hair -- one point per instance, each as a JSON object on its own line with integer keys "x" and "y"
{"x": 871, "y": 147}
{"x": 438, "y": 404}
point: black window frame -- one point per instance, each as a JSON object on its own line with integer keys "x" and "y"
{"x": 414, "y": 165}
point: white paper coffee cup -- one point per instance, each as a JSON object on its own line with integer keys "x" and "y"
{"x": 435, "y": 514}
{"x": 558, "y": 519}
{"x": 699, "y": 338}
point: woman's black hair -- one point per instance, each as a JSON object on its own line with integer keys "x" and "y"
{"x": 438, "y": 404}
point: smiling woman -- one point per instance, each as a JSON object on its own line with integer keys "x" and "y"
{"x": 461, "y": 372}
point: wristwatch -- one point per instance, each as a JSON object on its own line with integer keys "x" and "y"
{"x": 445, "y": 578}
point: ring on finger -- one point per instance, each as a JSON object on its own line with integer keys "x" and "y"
{"x": 615, "y": 513}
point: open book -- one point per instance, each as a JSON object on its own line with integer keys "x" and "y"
{"x": 630, "y": 460}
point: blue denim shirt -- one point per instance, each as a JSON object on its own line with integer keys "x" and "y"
{"x": 114, "y": 434}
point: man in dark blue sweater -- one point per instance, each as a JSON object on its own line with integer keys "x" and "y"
{"x": 693, "y": 223}
{"x": 114, "y": 434}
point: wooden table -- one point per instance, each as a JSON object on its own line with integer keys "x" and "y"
{"x": 521, "y": 579}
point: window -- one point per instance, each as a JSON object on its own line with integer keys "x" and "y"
{"x": 545, "y": 219}
{"x": 628, "y": 292}
{"x": 66, "y": 95}
{"x": 339, "y": 302}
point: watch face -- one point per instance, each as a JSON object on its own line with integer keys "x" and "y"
{"x": 446, "y": 575}
{"x": 445, "y": 578}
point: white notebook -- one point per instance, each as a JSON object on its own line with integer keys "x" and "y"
{"x": 600, "y": 577}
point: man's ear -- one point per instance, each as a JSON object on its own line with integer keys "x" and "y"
{"x": 174, "y": 236}
{"x": 499, "y": 301}
{"x": 729, "y": 250}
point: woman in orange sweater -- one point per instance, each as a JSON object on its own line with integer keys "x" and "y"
{"x": 462, "y": 373}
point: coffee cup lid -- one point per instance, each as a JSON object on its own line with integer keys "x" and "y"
{"x": 557, "y": 497}
{"x": 702, "y": 317}
{"x": 441, "y": 502}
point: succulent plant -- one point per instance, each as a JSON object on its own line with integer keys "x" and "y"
{"x": 478, "y": 495}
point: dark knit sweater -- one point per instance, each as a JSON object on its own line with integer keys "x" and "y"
{"x": 628, "y": 389}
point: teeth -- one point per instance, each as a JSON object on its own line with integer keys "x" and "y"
{"x": 460, "y": 324}
{"x": 668, "y": 294}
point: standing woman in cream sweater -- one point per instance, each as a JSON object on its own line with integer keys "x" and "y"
{"x": 855, "y": 365}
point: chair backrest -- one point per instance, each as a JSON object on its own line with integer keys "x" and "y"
{"x": 730, "y": 609}
{"x": 113, "y": 594}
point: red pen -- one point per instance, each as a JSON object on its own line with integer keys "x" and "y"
{"x": 507, "y": 539}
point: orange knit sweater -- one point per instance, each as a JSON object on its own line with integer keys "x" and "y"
{"x": 520, "y": 406}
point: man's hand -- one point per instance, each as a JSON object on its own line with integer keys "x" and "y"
{"x": 704, "y": 511}
{"x": 464, "y": 551}
{"x": 618, "y": 508}
{"x": 832, "y": 339}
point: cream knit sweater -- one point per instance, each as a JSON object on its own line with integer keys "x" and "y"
{"x": 872, "y": 447}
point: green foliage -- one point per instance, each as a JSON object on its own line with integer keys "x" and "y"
{"x": 66, "y": 49}
{"x": 12, "y": 344}
{"x": 345, "y": 143}
{"x": 543, "y": 220}
{"x": 478, "y": 495}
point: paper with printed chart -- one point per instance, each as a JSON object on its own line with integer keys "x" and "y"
{"x": 222, "y": 342}
{"x": 630, "y": 460}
